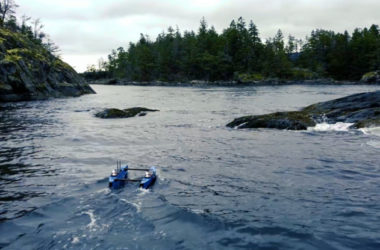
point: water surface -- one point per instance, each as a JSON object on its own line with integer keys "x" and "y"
{"x": 218, "y": 188}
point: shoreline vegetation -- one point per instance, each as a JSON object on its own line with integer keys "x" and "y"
{"x": 238, "y": 55}
{"x": 30, "y": 68}
{"x": 233, "y": 83}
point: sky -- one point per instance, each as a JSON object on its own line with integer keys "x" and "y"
{"x": 87, "y": 30}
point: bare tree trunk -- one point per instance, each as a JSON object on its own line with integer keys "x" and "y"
{"x": 7, "y": 7}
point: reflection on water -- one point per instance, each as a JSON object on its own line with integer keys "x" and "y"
{"x": 217, "y": 188}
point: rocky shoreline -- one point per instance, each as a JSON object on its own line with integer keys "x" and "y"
{"x": 28, "y": 71}
{"x": 201, "y": 83}
{"x": 363, "y": 110}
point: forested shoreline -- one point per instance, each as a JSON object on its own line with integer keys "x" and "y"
{"x": 30, "y": 68}
{"x": 240, "y": 54}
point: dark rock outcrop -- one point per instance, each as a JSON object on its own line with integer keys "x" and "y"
{"x": 371, "y": 77}
{"x": 28, "y": 71}
{"x": 280, "y": 120}
{"x": 361, "y": 109}
{"x": 125, "y": 113}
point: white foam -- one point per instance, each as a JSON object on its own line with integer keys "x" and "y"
{"x": 137, "y": 205}
{"x": 92, "y": 223}
{"x": 197, "y": 211}
{"x": 143, "y": 191}
{"x": 75, "y": 240}
{"x": 371, "y": 131}
{"x": 339, "y": 126}
{"x": 375, "y": 134}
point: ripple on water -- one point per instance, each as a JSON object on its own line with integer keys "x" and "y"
{"x": 218, "y": 188}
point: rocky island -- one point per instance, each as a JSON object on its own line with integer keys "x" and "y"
{"x": 363, "y": 110}
{"x": 111, "y": 113}
{"x": 29, "y": 71}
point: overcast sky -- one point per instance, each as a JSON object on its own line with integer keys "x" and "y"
{"x": 86, "y": 30}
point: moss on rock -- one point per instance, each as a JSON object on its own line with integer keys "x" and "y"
{"x": 371, "y": 77}
{"x": 29, "y": 71}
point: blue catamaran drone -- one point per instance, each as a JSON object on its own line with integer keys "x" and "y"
{"x": 119, "y": 177}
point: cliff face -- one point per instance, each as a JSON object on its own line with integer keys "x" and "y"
{"x": 28, "y": 71}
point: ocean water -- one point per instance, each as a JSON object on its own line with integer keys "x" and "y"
{"x": 217, "y": 188}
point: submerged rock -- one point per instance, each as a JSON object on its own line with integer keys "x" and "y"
{"x": 361, "y": 109}
{"x": 28, "y": 71}
{"x": 125, "y": 113}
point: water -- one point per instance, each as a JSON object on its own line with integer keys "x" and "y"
{"x": 218, "y": 188}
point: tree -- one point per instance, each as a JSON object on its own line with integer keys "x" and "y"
{"x": 317, "y": 50}
{"x": 364, "y": 47}
{"x": 256, "y": 48}
{"x": 254, "y": 33}
{"x": 51, "y": 46}
{"x": 25, "y": 28}
{"x": 278, "y": 41}
{"x": 203, "y": 27}
{"x": 276, "y": 60}
{"x": 206, "y": 55}
{"x": 11, "y": 23}
{"x": 292, "y": 46}
{"x": 91, "y": 68}
{"x": 7, "y": 8}
{"x": 37, "y": 29}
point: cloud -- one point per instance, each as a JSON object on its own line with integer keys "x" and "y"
{"x": 299, "y": 17}
{"x": 143, "y": 7}
{"x": 87, "y": 28}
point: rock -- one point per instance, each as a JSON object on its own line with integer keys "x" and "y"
{"x": 361, "y": 109}
{"x": 125, "y": 113}
{"x": 113, "y": 82}
{"x": 28, "y": 71}
{"x": 371, "y": 77}
{"x": 367, "y": 123}
{"x": 279, "y": 120}
{"x": 198, "y": 82}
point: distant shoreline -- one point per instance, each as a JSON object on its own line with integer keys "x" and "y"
{"x": 200, "y": 83}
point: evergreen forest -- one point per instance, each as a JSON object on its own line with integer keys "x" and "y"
{"x": 239, "y": 53}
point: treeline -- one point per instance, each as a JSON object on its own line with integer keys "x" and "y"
{"x": 31, "y": 28}
{"x": 238, "y": 53}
